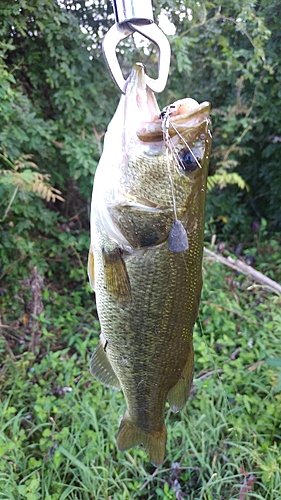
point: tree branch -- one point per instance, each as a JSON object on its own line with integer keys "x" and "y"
{"x": 243, "y": 268}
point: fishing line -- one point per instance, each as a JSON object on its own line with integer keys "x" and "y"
{"x": 186, "y": 144}
{"x": 167, "y": 139}
{"x": 177, "y": 239}
{"x": 171, "y": 183}
{"x": 174, "y": 151}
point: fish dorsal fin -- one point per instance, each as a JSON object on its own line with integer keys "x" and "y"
{"x": 131, "y": 435}
{"x": 100, "y": 367}
{"x": 91, "y": 268}
{"x": 178, "y": 395}
{"x": 116, "y": 275}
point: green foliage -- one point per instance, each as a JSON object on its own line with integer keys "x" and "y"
{"x": 48, "y": 108}
{"x": 227, "y": 53}
{"x": 276, "y": 363}
{"x": 223, "y": 178}
{"x": 58, "y": 425}
{"x": 56, "y": 99}
{"x": 227, "y": 215}
{"x": 21, "y": 176}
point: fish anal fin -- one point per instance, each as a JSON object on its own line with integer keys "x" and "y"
{"x": 101, "y": 369}
{"x": 116, "y": 275}
{"x": 179, "y": 394}
{"x": 131, "y": 435}
{"x": 91, "y": 268}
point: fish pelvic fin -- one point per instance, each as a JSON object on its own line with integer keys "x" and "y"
{"x": 91, "y": 271}
{"x": 179, "y": 394}
{"x": 116, "y": 275}
{"x": 131, "y": 435}
{"x": 101, "y": 369}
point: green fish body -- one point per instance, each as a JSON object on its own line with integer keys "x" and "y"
{"x": 147, "y": 296}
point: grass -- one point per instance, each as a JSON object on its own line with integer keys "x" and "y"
{"x": 58, "y": 425}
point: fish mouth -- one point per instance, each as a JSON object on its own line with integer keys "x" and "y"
{"x": 184, "y": 114}
{"x": 137, "y": 91}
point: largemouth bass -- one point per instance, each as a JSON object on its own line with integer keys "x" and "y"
{"x": 152, "y": 173}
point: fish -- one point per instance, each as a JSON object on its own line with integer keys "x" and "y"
{"x": 148, "y": 198}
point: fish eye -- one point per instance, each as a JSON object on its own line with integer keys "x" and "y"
{"x": 188, "y": 161}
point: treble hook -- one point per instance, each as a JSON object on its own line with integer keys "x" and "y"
{"x": 135, "y": 16}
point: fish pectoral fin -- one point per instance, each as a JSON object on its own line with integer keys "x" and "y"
{"x": 179, "y": 394}
{"x": 116, "y": 275}
{"x": 101, "y": 369}
{"x": 91, "y": 268}
{"x": 131, "y": 435}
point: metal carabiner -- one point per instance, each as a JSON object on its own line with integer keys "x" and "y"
{"x": 135, "y": 17}
{"x": 135, "y": 11}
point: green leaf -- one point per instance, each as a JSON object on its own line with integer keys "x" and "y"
{"x": 274, "y": 362}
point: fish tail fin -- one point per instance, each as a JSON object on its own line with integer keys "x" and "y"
{"x": 131, "y": 435}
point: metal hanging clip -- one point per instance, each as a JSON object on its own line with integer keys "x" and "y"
{"x": 136, "y": 16}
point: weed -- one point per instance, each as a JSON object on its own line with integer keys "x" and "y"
{"x": 58, "y": 425}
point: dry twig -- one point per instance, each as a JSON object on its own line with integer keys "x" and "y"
{"x": 243, "y": 268}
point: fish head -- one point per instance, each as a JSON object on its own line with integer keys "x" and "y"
{"x": 154, "y": 166}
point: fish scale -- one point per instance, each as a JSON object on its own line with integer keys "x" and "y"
{"x": 147, "y": 296}
{"x": 142, "y": 184}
